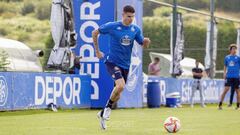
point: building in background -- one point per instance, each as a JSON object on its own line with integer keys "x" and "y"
{"x": 20, "y": 57}
{"x": 187, "y": 64}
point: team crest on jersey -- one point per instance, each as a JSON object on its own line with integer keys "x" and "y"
{"x": 132, "y": 29}
{"x": 231, "y": 63}
{"x": 125, "y": 40}
{"x": 119, "y": 28}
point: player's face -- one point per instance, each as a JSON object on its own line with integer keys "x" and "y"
{"x": 233, "y": 50}
{"x": 128, "y": 18}
{"x": 157, "y": 61}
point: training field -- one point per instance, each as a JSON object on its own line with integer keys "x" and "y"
{"x": 194, "y": 121}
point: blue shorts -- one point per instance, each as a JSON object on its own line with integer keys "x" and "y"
{"x": 232, "y": 82}
{"x": 116, "y": 72}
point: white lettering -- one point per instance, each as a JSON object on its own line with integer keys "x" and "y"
{"x": 49, "y": 89}
{"x": 68, "y": 83}
{"x": 95, "y": 95}
{"x": 88, "y": 48}
{"x": 92, "y": 8}
{"x": 76, "y": 90}
{"x": 163, "y": 90}
{"x": 89, "y": 63}
{"x": 84, "y": 26}
{"x": 39, "y": 81}
{"x": 57, "y": 92}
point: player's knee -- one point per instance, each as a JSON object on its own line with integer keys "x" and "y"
{"x": 120, "y": 87}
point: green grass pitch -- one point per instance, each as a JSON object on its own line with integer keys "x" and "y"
{"x": 194, "y": 121}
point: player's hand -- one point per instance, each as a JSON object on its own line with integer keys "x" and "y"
{"x": 146, "y": 42}
{"x": 99, "y": 54}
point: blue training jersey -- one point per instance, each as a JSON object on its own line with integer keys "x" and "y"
{"x": 121, "y": 42}
{"x": 232, "y": 62}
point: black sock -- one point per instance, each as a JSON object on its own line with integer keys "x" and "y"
{"x": 238, "y": 105}
{"x": 109, "y": 104}
{"x": 102, "y": 113}
{"x": 220, "y": 104}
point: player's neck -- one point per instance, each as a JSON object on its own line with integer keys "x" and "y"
{"x": 125, "y": 24}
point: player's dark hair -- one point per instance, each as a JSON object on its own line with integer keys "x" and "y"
{"x": 156, "y": 59}
{"x": 231, "y": 46}
{"x": 128, "y": 8}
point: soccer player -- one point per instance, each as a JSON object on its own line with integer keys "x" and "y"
{"x": 197, "y": 75}
{"x": 122, "y": 35}
{"x": 231, "y": 74}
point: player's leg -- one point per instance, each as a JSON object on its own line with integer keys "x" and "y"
{"x": 101, "y": 120}
{"x": 192, "y": 98}
{"x": 115, "y": 96}
{"x": 228, "y": 83}
{"x": 120, "y": 81}
{"x": 238, "y": 98}
{"x": 118, "y": 75}
{"x": 201, "y": 94}
{"x": 231, "y": 96}
{"x": 194, "y": 87}
{"x": 236, "y": 87}
{"x": 226, "y": 88}
{"x": 120, "y": 84}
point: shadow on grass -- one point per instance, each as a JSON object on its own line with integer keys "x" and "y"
{"x": 39, "y": 111}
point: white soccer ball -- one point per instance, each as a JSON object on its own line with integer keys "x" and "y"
{"x": 172, "y": 124}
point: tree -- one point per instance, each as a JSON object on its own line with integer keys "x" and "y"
{"x": 4, "y": 61}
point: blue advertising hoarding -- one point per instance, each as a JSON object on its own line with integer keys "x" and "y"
{"x": 36, "y": 90}
{"x": 89, "y": 15}
{"x": 212, "y": 89}
{"x": 6, "y": 94}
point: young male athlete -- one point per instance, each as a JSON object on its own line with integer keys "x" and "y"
{"x": 231, "y": 74}
{"x": 122, "y": 36}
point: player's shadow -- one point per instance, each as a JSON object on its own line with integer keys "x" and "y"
{"x": 24, "y": 112}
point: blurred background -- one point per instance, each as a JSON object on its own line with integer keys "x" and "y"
{"x": 157, "y": 23}
{"x": 29, "y": 22}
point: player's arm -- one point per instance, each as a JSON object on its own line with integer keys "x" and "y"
{"x": 144, "y": 41}
{"x": 95, "y": 34}
{"x": 197, "y": 74}
{"x": 194, "y": 73}
{"x": 200, "y": 74}
{"x": 225, "y": 68}
{"x": 103, "y": 29}
{"x": 224, "y": 72}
